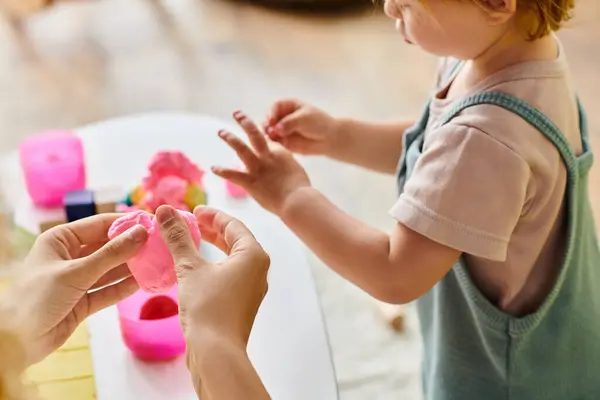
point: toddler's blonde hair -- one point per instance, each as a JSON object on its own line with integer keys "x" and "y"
{"x": 538, "y": 18}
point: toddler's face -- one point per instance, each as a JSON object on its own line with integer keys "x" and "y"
{"x": 445, "y": 28}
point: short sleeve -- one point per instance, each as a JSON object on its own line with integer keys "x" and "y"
{"x": 467, "y": 191}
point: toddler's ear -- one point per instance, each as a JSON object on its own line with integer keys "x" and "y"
{"x": 500, "y": 10}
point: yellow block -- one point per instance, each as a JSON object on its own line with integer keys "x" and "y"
{"x": 62, "y": 365}
{"x": 79, "y": 389}
{"x": 137, "y": 195}
{"x": 67, "y": 373}
{"x": 79, "y": 340}
{"x": 195, "y": 196}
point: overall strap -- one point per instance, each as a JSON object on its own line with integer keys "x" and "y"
{"x": 530, "y": 114}
{"x": 450, "y": 71}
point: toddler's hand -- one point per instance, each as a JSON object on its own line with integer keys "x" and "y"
{"x": 301, "y": 128}
{"x": 272, "y": 174}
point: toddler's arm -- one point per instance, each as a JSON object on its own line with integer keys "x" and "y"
{"x": 395, "y": 268}
{"x": 305, "y": 129}
{"x": 373, "y": 145}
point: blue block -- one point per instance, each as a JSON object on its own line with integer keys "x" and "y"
{"x": 79, "y": 204}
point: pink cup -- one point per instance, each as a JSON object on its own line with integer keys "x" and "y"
{"x": 53, "y": 164}
{"x": 150, "y": 325}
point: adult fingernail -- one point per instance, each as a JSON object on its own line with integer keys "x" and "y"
{"x": 165, "y": 214}
{"x": 138, "y": 233}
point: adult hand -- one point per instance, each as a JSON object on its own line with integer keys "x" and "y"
{"x": 218, "y": 302}
{"x": 216, "y": 299}
{"x": 301, "y": 128}
{"x": 272, "y": 173}
{"x": 72, "y": 271}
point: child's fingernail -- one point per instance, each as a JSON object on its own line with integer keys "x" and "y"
{"x": 237, "y": 114}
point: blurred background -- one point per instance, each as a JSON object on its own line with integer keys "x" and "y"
{"x": 85, "y": 61}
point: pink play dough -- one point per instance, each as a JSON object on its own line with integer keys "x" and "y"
{"x": 152, "y": 267}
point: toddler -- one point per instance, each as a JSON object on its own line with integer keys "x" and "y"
{"x": 495, "y": 238}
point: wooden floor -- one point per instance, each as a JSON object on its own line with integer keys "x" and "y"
{"x": 104, "y": 58}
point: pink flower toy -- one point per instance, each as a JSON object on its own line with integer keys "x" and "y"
{"x": 172, "y": 179}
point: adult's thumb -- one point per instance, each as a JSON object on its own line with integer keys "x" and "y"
{"x": 178, "y": 239}
{"x": 114, "y": 253}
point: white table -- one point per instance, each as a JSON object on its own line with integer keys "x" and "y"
{"x": 289, "y": 345}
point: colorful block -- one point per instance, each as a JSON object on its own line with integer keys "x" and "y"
{"x": 136, "y": 196}
{"x": 80, "y": 389}
{"x": 195, "y": 196}
{"x": 62, "y": 365}
{"x": 79, "y": 204}
{"x": 80, "y": 339}
{"x": 106, "y": 199}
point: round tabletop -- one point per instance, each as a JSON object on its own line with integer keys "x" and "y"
{"x": 289, "y": 344}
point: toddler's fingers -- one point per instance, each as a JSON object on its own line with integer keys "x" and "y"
{"x": 236, "y": 176}
{"x": 270, "y": 131}
{"x": 296, "y": 144}
{"x": 283, "y": 108}
{"x": 266, "y": 126}
{"x": 290, "y": 124}
{"x": 243, "y": 151}
{"x": 256, "y": 137}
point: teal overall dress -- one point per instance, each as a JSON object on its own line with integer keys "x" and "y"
{"x": 473, "y": 350}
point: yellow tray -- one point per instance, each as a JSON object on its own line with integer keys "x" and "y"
{"x": 68, "y": 373}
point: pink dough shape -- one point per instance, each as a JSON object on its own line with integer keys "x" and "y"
{"x": 153, "y": 266}
{"x": 235, "y": 191}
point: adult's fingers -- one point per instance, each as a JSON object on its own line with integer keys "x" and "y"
{"x": 205, "y": 217}
{"x": 227, "y": 233}
{"x": 114, "y": 275}
{"x": 110, "y": 295}
{"x": 114, "y": 253}
{"x": 85, "y": 231}
{"x": 89, "y": 249}
{"x": 178, "y": 239}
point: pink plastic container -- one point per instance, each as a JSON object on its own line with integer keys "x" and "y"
{"x": 53, "y": 164}
{"x": 150, "y": 325}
